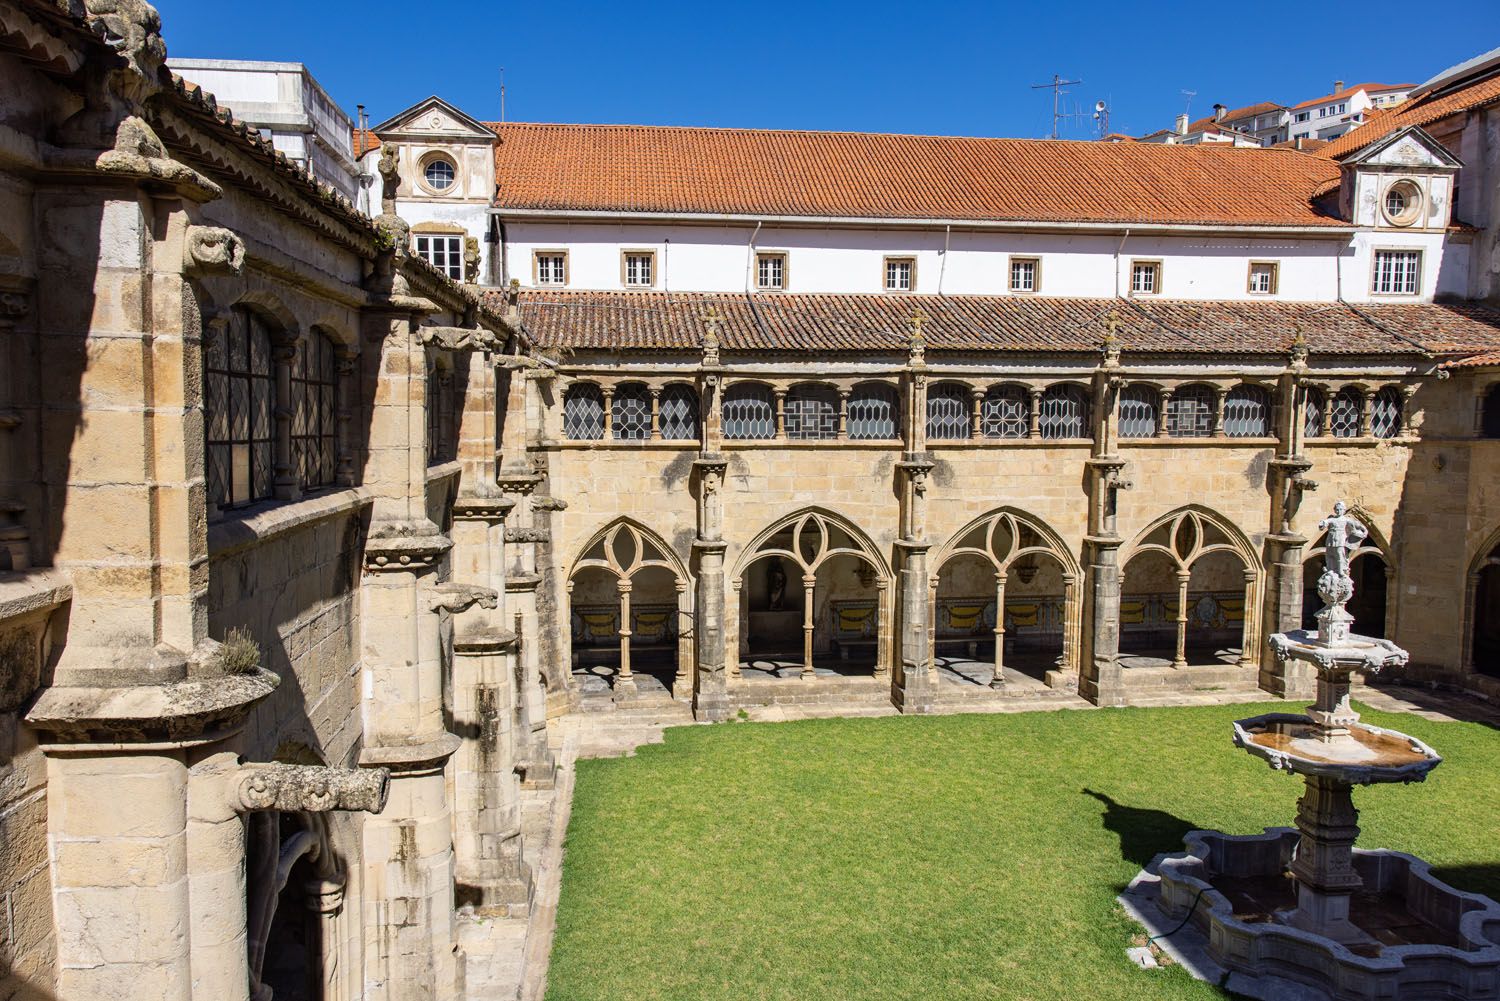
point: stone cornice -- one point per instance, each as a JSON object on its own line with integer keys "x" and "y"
{"x": 193, "y": 710}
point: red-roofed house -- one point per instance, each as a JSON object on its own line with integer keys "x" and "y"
{"x": 1333, "y": 114}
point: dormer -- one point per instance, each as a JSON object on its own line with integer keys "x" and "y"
{"x": 1402, "y": 182}
{"x": 445, "y": 154}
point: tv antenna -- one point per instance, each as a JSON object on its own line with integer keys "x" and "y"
{"x": 1187, "y": 108}
{"x": 1101, "y": 118}
{"x": 1056, "y": 86}
{"x": 502, "y": 93}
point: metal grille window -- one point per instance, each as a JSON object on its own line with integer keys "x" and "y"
{"x": 812, "y": 413}
{"x": 238, "y": 395}
{"x": 1140, "y": 411}
{"x": 947, "y": 412}
{"x": 446, "y": 253}
{"x": 1343, "y": 415}
{"x": 1247, "y": 412}
{"x": 583, "y": 412}
{"x": 1397, "y": 272}
{"x": 1313, "y": 406}
{"x": 1005, "y": 412}
{"x": 314, "y": 411}
{"x": 872, "y": 412}
{"x": 678, "y": 413}
{"x": 1064, "y": 412}
{"x": 749, "y": 412}
{"x": 1385, "y": 415}
{"x": 1190, "y": 412}
{"x": 630, "y": 413}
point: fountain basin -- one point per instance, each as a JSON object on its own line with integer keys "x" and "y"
{"x": 1428, "y": 940}
{"x": 1358, "y": 753}
{"x": 1348, "y": 653}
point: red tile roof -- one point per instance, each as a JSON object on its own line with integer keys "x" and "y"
{"x": 1308, "y": 145}
{"x": 818, "y": 324}
{"x": 1350, "y": 91}
{"x": 742, "y": 172}
{"x": 363, "y": 140}
{"x": 1423, "y": 112}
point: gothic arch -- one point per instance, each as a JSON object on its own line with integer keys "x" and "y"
{"x": 1484, "y": 567}
{"x": 1051, "y": 543}
{"x": 271, "y": 307}
{"x": 817, "y": 521}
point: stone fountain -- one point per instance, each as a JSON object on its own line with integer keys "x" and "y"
{"x": 1302, "y": 909}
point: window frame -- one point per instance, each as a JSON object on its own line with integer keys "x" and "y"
{"x": 625, "y": 256}
{"x": 1275, "y": 267}
{"x": 536, "y": 268}
{"x": 885, "y": 272}
{"x": 263, "y": 383}
{"x": 768, "y": 255}
{"x": 1413, "y": 196}
{"x": 455, "y": 252}
{"x": 1036, "y": 274}
{"x": 1417, "y": 271}
{"x": 431, "y": 157}
{"x": 1146, "y": 262}
{"x": 315, "y": 429}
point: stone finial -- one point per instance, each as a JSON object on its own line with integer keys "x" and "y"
{"x": 1112, "y": 344}
{"x": 394, "y": 228}
{"x": 916, "y": 341}
{"x": 314, "y": 788}
{"x": 711, "y": 335}
{"x": 1298, "y": 351}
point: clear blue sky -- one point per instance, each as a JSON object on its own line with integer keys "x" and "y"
{"x": 921, "y": 67}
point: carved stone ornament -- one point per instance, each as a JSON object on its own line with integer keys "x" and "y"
{"x": 312, "y": 788}
{"x": 132, "y": 28}
{"x": 527, "y": 535}
{"x": 13, "y": 306}
{"x": 459, "y": 338}
{"x": 471, "y": 259}
{"x": 213, "y": 250}
{"x": 453, "y": 597}
{"x": 917, "y": 341}
{"x": 711, "y": 336}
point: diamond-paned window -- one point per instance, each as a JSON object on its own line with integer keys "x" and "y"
{"x": 872, "y": 412}
{"x": 812, "y": 413}
{"x": 1190, "y": 412}
{"x": 1313, "y": 405}
{"x": 1140, "y": 410}
{"x": 749, "y": 412}
{"x": 947, "y": 412}
{"x": 1064, "y": 412}
{"x": 630, "y": 413}
{"x": 1385, "y": 415}
{"x": 1247, "y": 412}
{"x": 239, "y": 393}
{"x": 1343, "y": 415}
{"x": 583, "y": 412}
{"x": 1005, "y": 412}
{"x": 314, "y": 410}
{"x": 677, "y": 412}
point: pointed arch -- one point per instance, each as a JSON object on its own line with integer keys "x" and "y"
{"x": 1049, "y": 542}
{"x": 1184, "y": 545}
{"x": 624, "y": 547}
{"x": 1480, "y": 581}
{"x": 814, "y": 524}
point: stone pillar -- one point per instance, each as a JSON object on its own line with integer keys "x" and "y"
{"x": 915, "y": 680}
{"x": 625, "y": 680}
{"x": 283, "y": 463}
{"x": 217, "y": 863}
{"x": 1163, "y": 424}
{"x": 710, "y": 685}
{"x": 1100, "y": 680}
{"x": 1287, "y": 483}
{"x": 1179, "y": 659}
{"x": 998, "y": 681}
{"x": 1324, "y": 866}
{"x": 15, "y": 545}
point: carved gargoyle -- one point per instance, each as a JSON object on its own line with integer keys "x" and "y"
{"x": 315, "y": 788}
{"x": 453, "y": 597}
{"x": 213, "y": 250}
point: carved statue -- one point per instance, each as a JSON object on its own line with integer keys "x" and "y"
{"x": 390, "y": 178}
{"x": 471, "y": 259}
{"x": 775, "y": 587}
{"x": 1344, "y": 536}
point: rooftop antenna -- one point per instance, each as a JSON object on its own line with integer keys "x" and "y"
{"x": 1187, "y": 109}
{"x": 502, "y": 94}
{"x": 1056, "y": 86}
{"x": 1101, "y": 116}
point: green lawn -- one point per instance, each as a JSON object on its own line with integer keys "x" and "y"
{"x": 946, "y": 858}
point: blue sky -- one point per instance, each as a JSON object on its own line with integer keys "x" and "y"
{"x": 936, "y": 68}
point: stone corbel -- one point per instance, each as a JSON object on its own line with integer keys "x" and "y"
{"x": 213, "y": 250}
{"x": 453, "y": 597}
{"x": 527, "y": 535}
{"x": 312, "y": 788}
{"x": 459, "y": 338}
{"x": 548, "y": 504}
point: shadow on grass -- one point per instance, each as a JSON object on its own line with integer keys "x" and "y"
{"x": 1143, "y": 834}
{"x": 1483, "y": 879}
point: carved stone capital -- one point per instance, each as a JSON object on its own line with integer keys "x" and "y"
{"x": 314, "y": 788}
{"x": 213, "y": 250}
{"x": 405, "y": 546}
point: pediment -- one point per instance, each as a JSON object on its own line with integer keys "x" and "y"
{"x": 1410, "y": 148}
{"x": 434, "y": 118}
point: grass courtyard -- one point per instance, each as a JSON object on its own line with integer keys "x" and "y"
{"x": 955, "y": 857}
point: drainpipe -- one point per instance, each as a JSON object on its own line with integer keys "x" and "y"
{"x": 1119, "y": 248}
{"x": 750, "y": 257}
{"x": 943, "y": 268}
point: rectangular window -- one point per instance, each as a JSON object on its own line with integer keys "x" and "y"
{"x": 1145, "y": 277}
{"x": 638, "y": 268}
{"x": 770, "y": 271}
{"x": 551, "y": 267}
{"x": 1303, "y": 116}
{"x": 1263, "y": 275}
{"x": 1397, "y": 272}
{"x": 1025, "y": 274}
{"x": 900, "y": 274}
{"x": 446, "y": 253}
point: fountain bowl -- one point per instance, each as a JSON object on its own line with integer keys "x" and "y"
{"x": 1358, "y": 753}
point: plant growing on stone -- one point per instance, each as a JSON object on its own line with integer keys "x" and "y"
{"x": 239, "y": 653}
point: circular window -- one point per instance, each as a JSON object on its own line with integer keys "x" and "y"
{"x": 1402, "y": 203}
{"x": 439, "y": 173}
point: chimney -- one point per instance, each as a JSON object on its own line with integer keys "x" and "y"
{"x": 1182, "y": 123}
{"x": 1338, "y": 85}
{"x": 1219, "y": 112}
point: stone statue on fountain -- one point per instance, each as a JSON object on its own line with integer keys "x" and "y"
{"x": 1335, "y": 584}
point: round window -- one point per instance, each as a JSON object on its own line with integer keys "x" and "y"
{"x": 1402, "y": 203}
{"x": 439, "y": 173}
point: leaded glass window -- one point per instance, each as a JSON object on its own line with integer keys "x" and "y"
{"x": 678, "y": 412}
{"x": 873, "y": 412}
{"x": 1140, "y": 410}
{"x": 948, "y": 412}
{"x": 1343, "y": 417}
{"x": 1385, "y": 414}
{"x": 314, "y": 411}
{"x": 630, "y": 412}
{"x": 583, "y": 412}
{"x": 437, "y": 412}
{"x": 239, "y": 392}
{"x": 1064, "y": 412}
{"x": 1247, "y": 412}
{"x": 1190, "y": 412}
{"x": 1313, "y": 405}
{"x": 749, "y": 412}
{"x": 812, "y": 413}
{"x": 1005, "y": 412}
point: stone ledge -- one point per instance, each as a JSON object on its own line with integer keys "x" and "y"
{"x": 258, "y": 526}
{"x": 26, "y": 591}
{"x": 179, "y": 711}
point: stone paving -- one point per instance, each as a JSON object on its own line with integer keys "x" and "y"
{"x": 507, "y": 957}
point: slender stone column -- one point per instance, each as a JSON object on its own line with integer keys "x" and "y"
{"x": 1248, "y": 636}
{"x": 1100, "y": 680}
{"x": 809, "y": 583}
{"x": 624, "y": 680}
{"x": 915, "y": 682}
{"x": 710, "y": 685}
{"x": 998, "y": 681}
{"x": 283, "y": 464}
{"x": 1179, "y": 660}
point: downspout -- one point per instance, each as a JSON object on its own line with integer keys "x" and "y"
{"x": 1118, "y": 248}
{"x": 750, "y": 256}
{"x": 943, "y": 268}
{"x": 666, "y": 253}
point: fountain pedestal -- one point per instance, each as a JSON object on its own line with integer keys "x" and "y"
{"x": 1324, "y": 866}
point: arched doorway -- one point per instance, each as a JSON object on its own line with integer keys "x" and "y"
{"x": 1189, "y": 594}
{"x": 1004, "y": 586}
{"x": 628, "y": 596}
{"x": 811, "y": 589}
{"x": 1484, "y": 610}
{"x": 1371, "y": 570}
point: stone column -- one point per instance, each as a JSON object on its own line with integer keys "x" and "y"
{"x": 1324, "y": 866}
{"x": 1287, "y": 482}
{"x": 1034, "y": 420}
{"x": 710, "y": 685}
{"x": 998, "y": 681}
{"x": 1184, "y": 575}
{"x": 1163, "y": 425}
{"x": 1248, "y": 632}
{"x": 348, "y": 399}
{"x": 624, "y": 681}
{"x": 975, "y": 419}
{"x": 915, "y": 681}
{"x": 883, "y": 633}
{"x": 1100, "y": 680}
{"x": 283, "y": 463}
{"x": 809, "y": 582}
{"x": 15, "y": 545}
{"x": 1219, "y": 395}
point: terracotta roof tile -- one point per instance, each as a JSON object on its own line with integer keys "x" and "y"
{"x": 1308, "y": 145}
{"x": 1422, "y": 112}
{"x": 363, "y": 140}
{"x": 1351, "y": 90}
{"x": 875, "y": 323}
{"x": 628, "y": 168}
{"x": 1483, "y": 359}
